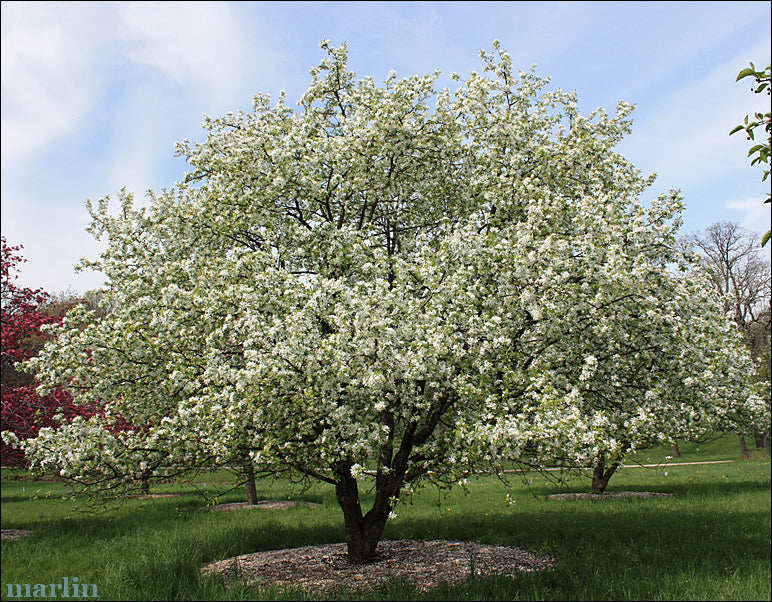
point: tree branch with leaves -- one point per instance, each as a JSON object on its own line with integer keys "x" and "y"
{"x": 760, "y": 152}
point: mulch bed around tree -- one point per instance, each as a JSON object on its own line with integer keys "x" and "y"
{"x": 600, "y": 496}
{"x": 424, "y": 564}
{"x": 264, "y": 504}
{"x": 15, "y": 533}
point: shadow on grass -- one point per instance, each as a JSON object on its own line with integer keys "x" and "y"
{"x": 610, "y": 549}
{"x": 626, "y": 554}
{"x": 15, "y": 498}
{"x": 625, "y": 548}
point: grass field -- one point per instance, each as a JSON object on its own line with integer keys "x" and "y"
{"x": 710, "y": 541}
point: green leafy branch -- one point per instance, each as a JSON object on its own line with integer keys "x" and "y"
{"x": 759, "y": 153}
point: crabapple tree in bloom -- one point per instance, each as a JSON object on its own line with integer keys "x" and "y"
{"x": 393, "y": 284}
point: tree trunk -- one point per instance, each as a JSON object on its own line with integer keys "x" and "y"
{"x": 759, "y": 439}
{"x": 674, "y": 451}
{"x": 743, "y": 447}
{"x": 144, "y": 481}
{"x": 249, "y": 480}
{"x": 601, "y": 476}
{"x": 766, "y": 441}
{"x": 362, "y": 532}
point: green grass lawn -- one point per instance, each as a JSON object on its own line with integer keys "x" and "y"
{"x": 710, "y": 541}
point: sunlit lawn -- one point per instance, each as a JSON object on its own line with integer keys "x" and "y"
{"x": 710, "y": 541}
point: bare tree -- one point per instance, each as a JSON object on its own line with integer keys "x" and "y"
{"x": 740, "y": 271}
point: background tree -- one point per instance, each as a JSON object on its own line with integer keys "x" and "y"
{"x": 24, "y": 314}
{"x": 759, "y": 151}
{"x": 740, "y": 274}
{"x": 390, "y": 284}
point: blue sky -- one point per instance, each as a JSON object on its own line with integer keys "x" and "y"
{"x": 95, "y": 94}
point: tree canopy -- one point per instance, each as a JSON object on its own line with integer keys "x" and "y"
{"x": 399, "y": 284}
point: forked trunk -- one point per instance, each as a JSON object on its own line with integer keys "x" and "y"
{"x": 362, "y": 539}
{"x": 249, "y": 480}
{"x": 363, "y": 532}
{"x": 601, "y": 475}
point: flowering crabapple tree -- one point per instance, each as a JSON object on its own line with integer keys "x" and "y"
{"x": 390, "y": 285}
{"x": 24, "y": 312}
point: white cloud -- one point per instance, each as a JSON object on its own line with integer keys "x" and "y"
{"x": 94, "y": 97}
{"x": 48, "y": 76}
{"x": 684, "y": 135}
{"x": 184, "y": 60}
{"x": 751, "y": 213}
{"x": 200, "y": 46}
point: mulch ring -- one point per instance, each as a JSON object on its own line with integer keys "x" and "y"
{"x": 217, "y": 483}
{"x": 144, "y": 496}
{"x": 15, "y": 533}
{"x": 264, "y": 504}
{"x": 600, "y": 496}
{"x": 424, "y": 564}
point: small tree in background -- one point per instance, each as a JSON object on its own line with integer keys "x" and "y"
{"x": 25, "y": 315}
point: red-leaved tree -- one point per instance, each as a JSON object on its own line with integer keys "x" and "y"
{"x": 24, "y": 312}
